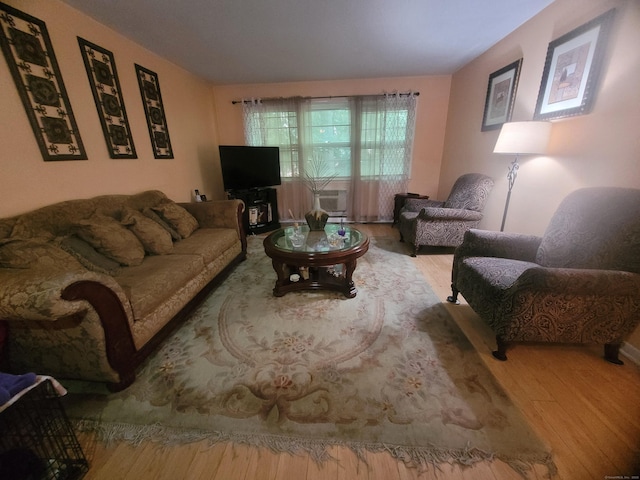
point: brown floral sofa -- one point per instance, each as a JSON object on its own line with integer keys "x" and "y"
{"x": 578, "y": 283}
{"x": 89, "y": 287}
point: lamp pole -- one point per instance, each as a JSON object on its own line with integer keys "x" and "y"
{"x": 520, "y": 138}
{"x": 511, "y": 177}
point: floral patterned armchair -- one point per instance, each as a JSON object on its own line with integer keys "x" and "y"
{"x": 442, "y": 224}
{"x": 578, "y": 283}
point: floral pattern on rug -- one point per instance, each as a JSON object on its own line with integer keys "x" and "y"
{"x": 388, "y": 368}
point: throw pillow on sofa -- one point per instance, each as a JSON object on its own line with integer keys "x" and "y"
{"x": 21, "y": 253}
{"x": 147, "y": 212}
{"x": 108, "y": 237}
{"x": 88, "y": 256}
{"x": 155, "y": 239}
{"x": 176, "y": 216}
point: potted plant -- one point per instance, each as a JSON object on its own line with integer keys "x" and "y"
{"x": 317, "y": 176}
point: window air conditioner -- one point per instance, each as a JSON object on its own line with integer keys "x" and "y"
{"x": 334, "y": 201}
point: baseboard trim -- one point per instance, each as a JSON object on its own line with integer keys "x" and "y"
{"x": 631, "y": 352}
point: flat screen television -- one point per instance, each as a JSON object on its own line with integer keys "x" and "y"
{"x": 245, "y": 168}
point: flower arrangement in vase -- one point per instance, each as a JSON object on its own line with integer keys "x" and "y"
{"x": 317, "y": 177}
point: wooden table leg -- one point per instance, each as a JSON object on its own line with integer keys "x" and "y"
{"x": 350, "y": 288}
{"x": 282, "y": 279}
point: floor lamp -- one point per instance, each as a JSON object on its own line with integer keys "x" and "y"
{"x": 521, "y": 138}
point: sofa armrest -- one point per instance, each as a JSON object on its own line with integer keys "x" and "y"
{"x": 35, "y": 294}
{"x": 116, "y": 320}
{"x": 219, "y": 214}
{"x": 417, "y": 204}
{"x": 435, "y": 213}
{"x": 485, "y": 243}
{"x": 82, "y": 308}
{"x": 215, "y": 213}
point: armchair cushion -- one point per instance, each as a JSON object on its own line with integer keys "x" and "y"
{"x": 417, "y": 204}
{"x": 499, "y": 274}
{"x": 431, "y": 213}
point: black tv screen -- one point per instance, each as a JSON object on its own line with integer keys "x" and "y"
{"x": 244, "y": 168}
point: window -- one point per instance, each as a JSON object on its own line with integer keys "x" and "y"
{"x": 384, "y": 137}
{"x": 331, "y": 134}
{"x": 362, "y": 139}
{"x": 278, "y": 128}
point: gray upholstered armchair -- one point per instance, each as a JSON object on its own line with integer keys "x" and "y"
{"x": 442, "y": 224}
{"x": 578, "y": 283}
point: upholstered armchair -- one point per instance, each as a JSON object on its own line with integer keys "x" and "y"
{"x": 443, "y": 223}
{"x": 578, "y": 283}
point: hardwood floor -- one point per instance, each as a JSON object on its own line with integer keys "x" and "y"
{"x": 586, "y": 409}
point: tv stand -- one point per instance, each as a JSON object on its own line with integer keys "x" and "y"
{"x": 260, "y": 209}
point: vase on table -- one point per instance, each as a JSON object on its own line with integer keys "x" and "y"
{"x": 317, "y": 217}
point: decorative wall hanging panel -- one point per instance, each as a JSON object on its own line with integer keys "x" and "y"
{"x": 572, "y": 70}
{"x": 27, "y": 48}
{"x": 154, "y": 111}
{"x": 107, "y": 93}
{"x": 501, "y": 94}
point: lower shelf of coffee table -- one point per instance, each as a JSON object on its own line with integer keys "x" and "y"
{"x": 316, "y": 278}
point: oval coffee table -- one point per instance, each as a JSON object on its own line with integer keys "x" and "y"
{"x": 324, "y": 261}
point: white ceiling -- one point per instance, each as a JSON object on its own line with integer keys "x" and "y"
{"x": 263, "y": 41}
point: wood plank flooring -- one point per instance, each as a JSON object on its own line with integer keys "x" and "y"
{"x": 586, "y": 409}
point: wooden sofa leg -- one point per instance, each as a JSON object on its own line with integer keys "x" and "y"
{"x": 501, "y": 352}
{"x": 611, "y": 352}
{"x": 126, "y": 380}
{"x": 453, "y": 298}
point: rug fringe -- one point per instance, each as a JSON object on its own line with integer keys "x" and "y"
{"x": 415, "y": 457}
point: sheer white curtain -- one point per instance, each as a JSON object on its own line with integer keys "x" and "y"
{"x": 376, "y": 133}
{"x": 385, "y": 127}
{"x": 276, "y": 123}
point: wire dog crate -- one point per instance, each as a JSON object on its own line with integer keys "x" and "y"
{"x": 37, "y": 441}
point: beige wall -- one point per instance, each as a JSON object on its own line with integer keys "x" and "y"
{"x": 27, "y": 182}
{"x": 601, "y": 148}
{"x": 431, "y": 115}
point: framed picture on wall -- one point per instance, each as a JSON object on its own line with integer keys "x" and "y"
{"x": 501, "y": 94}
{"x": 27, "y": 48}
{"x": 107, "y": 95}
{"x": 572, "y": 70}
{"x": 154, "y": 111}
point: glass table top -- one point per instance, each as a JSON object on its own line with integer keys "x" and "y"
{"x": 301, "y": 239}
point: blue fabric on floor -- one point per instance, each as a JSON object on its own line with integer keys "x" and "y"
{"x": 13, "y": 384}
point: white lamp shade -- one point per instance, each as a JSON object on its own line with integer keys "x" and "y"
{"x": 523, "y": 138}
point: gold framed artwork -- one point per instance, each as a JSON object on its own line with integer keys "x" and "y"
{"x": 572, "y": 70}
{"x": 27, "y": 48}
{"x": 501, "y": 94}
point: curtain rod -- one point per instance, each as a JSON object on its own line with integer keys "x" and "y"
{"x": 332, "y": 96}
